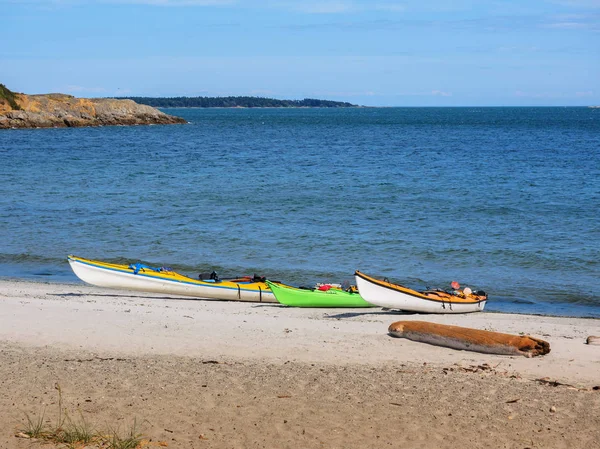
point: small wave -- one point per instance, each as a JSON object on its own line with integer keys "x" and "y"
{"x": 522, "y": 301}
{"x": 26, "y": 258}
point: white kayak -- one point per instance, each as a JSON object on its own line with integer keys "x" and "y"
{"x": 395, "y": 296}
{"x": 143, "y": 278}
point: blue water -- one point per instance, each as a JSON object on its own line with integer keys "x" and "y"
{"x": 505, "y": 200}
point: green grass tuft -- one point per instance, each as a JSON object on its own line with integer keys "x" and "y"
{"x": 73, "y": 432}
{"x": 35, "y": 427}
{"x": 130, "y": 440}
{"x": 77, "y": 433}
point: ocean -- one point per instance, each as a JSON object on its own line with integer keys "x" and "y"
{"x": 504, "y": 200}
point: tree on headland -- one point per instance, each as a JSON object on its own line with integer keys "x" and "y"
{"x": 236, "y": 102}
{"x": 9, "y": 97}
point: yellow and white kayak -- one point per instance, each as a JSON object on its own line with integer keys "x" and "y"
{"x": 396, "y": 296}
{"x": 160, "y": 280}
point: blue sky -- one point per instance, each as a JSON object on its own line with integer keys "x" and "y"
{"x": 373, "y": 53}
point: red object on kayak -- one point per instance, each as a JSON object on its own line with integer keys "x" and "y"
{"x": 324, "y": 288}
{"x": 455, "y": 285}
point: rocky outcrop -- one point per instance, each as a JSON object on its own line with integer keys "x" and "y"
{"x": 60, "y": 111}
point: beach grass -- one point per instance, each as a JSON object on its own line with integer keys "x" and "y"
{"x": 79, "y": 432}
{"x": 130, "y": 440}
{"x": 35, "y": 427}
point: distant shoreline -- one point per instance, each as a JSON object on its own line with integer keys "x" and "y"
{"x": 275, "y": 107}
{"x": 236, "y": 102}
{"x": 376, "y": 107}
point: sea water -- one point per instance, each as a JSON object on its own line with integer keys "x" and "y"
{"x": 505, "y": 200}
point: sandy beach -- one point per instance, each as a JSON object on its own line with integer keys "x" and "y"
{"x": 205, "y": 374}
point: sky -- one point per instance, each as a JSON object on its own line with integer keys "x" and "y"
{"x": 371, "y": 53}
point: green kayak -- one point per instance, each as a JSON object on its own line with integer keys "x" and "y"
{"x": 333, "y": 297}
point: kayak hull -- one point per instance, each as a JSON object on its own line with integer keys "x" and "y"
{"x": 332, "y": 298}
{"x": 394, "y": 296}
{"x": 124, "y": 277}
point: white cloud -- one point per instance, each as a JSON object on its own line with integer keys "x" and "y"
{"x": 588, "y": 21}
{"x": 567, "y": 25}
{"x": 440, "y": 93}
{"x": 520, "y": 93}
{"x": 129, "y": 2}
{"x": 579, "y": 3}
{"x": 332, "y": 93}
{"x": 394, "y": 7}
{"x": 176, "y": 2}
{"x": 518, "y": 49}
{"x": 336, "y": 6}
{"x": 308, "y": 6}
{"x": 262, "y": 92}
{"x": 554, "y": 95}
{"x": 82, "y": 89}
{"x": 327, "y": 7}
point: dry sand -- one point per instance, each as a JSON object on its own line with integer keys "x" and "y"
{"x": 205, "y": 374}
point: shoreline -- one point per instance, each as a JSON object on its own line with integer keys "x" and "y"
{"x": 56, "y": 313}
{"x": 219, "y": 374}
{"x": 74, "y": 281}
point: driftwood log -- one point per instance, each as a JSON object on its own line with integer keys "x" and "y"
{"x": 467, "y": 339}
{"x": 593, "y": 340}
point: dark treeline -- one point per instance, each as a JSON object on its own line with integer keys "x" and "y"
{"x": 233, "y": 102}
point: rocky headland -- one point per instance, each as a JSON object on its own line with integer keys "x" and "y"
{"x": 19, "y": 110}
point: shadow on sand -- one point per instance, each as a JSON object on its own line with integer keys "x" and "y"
{"x": 170, "y": 298}
{"x": 379, "y": 312}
